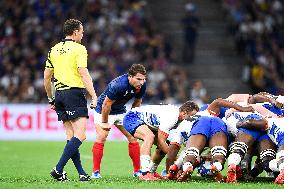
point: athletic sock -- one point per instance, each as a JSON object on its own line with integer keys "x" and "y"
{"x": 98, "y": 151}
{"x": 134, "y": 153}
{"x": 70, "y": 149}
{"x": 145, "y": 163}
{"x": 77, "y": 162}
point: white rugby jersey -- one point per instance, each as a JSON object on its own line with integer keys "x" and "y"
{"x": 232, "y": 120}
{"x": 275, "y": 129}
{"x": 278, "y": 98}
{"x": 180, "y": 135}
{"x": 162, "y": 117}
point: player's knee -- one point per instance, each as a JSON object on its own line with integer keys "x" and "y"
{"x": 101, "y": 137}
{"x": 239, "y": 148}
{"x": 149, "y": 137}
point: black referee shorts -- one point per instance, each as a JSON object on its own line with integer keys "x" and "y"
{"x": 71, "y": 104}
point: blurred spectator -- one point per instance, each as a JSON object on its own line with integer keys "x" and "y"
{"x": 3, "y": 97}
{"x": 165, "y": 95}
{"x": 258, "y": 27}
{"x": 199, "y": 93}
{"x": 118, "y": 33}
{"x": 190, "y": 24}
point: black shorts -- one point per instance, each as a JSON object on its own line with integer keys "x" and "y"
{"x": 71, "y": 104}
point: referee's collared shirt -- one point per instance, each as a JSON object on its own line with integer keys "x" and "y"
{"x": 64, "y": 59}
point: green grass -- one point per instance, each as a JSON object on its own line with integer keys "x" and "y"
{"x": 27, "y": 165}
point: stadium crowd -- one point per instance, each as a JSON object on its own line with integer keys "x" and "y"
{"x": 258, "y": 30}
{"x": 118, "y": 34}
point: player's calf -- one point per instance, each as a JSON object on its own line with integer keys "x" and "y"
{"x": 237, "y": 152}
{"x": 191, "y": 155}
{"x": 218, "y": 158}
{"x": 267, "y": 160}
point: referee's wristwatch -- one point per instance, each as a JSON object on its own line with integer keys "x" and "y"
{"x": 51, "y": 100}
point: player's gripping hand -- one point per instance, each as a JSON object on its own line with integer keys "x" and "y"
{"x": 93, "y": 103}
{"x": 243, "y": 123}
{"x": 277, "y": 104}
{"x": 248, "y": 109}
{"x": 51, "y": 102}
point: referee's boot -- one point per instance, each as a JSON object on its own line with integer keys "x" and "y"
{"x": 84, "y": 178}
{"x": 58, "y": 176}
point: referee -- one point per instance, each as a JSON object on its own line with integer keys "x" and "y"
{"x": 67, "y": 65}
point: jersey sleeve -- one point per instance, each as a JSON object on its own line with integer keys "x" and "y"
{"x": 176, "y": 138}
{"x": 115, "y": 91}
{"x": 48, "y": 63}
{"x": 168, "y": 119}
{"x": 141, "y": 92}
{"x": 81, "y": 57}
{"x": 182, "y": 133}
{"x": 165, "y": 126}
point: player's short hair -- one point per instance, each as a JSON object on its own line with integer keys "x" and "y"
{"x": 70, "y": 26}
{"x": 188, "y": 106}
{"x": 137, "y": 68}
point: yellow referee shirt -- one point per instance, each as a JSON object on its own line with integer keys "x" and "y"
{"x": 65, "y": 58}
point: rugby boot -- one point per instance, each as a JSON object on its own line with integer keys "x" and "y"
{"x": 172, "y": 172}
{"x": 96, "y": 175}
{"x": 84, "y": 178}
{"x": 137, "y": 173}
{"x": 185, "y": 174}
{"x": 157, "y": 175}
{"x": 58, "y": 176}
{"x": 148, "y": 177}
{"x": 232, "y": 174}
{"x": 216, "y": 175}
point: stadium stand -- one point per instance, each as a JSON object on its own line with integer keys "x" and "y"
{"x": 257, "y": 27}
{"x": 118, "y": 33}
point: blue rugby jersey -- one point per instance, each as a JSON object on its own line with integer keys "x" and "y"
{"x": 222, "y": 110}
{"x": 121, "y": 91}
{"x": 274, "y": 109}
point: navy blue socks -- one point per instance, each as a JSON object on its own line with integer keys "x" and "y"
{"x": 71, "y": 150}
{"x": 77, "y": 162}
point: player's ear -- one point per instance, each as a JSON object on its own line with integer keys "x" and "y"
{"x": 76, "y": 32}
